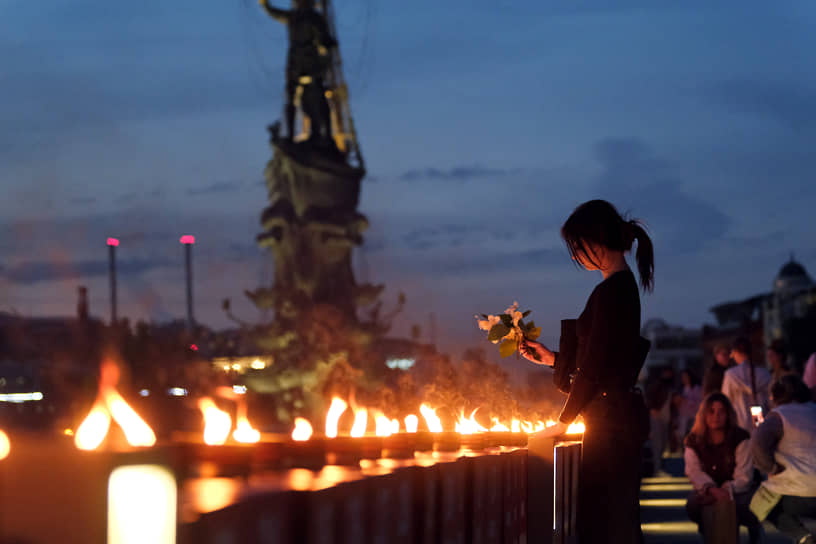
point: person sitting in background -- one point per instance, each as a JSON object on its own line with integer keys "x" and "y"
{"x": 784, "y": 447}
{"x": 809, "y": 376}
{"x": 718, "y": 463}
{"x": 746, "y": 384}
{"x": 713, "y": 378}
{"x": 692, "y": 396}
{"x": 777, "y": 357}
{"x": 658, "y": 397}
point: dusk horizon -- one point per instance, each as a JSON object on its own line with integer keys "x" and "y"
{"x": 150, "y": 123}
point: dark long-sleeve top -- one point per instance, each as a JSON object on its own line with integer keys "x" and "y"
{"x": 608, "y": 336}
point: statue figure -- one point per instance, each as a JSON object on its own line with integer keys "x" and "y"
{"x": 309, "y": 58}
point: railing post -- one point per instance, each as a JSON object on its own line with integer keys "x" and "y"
{"x": 552, "y": 489}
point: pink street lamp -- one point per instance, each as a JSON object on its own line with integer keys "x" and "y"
{"x": 113, "y": 243}
{"x": 187, "y": 241}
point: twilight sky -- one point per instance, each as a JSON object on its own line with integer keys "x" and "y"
{"x": 483, "y": 125}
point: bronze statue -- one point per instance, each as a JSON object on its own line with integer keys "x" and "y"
{"x": 309, "y": 57}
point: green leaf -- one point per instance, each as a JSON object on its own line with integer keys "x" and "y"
{"x": 507, "y": 348}
{"x": 532, "y": 334}
{"x": 507, "y": 320}
{"x": 525, "y": 314}
{"x": 497, "y": 332}
{"x": 530, "y": 325}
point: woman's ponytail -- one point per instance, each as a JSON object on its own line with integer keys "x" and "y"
{"x": 644, "y": 255}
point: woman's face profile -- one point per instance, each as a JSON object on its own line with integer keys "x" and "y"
{"x": 594, "y": 257}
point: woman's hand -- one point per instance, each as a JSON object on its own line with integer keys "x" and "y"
{"x": 553, "y": 430}
{"x": 531, "y": 349}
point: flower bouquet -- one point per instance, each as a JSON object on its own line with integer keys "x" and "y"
{"x": 509, "y": 329}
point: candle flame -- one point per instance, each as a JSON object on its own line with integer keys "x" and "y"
{"x": 244, "y": 432}
{"x": 360, "y": 422}
{"x": 431, "y": 419}
{"x": 576, "y": 428}
{"x": 382, "y": 425}
{"x": 394, "y": 426}
{"x": 5, "y": 445}
{"x": 217, "y": 424}
{"x": 338, "y": 406}
{"x": 498, "y": 427}
{"x": 109, "y": 403}
{"x": 302, "y": 431}
{"x": 411, "y": 423}
{"x": 527, "y": 427}
{"x": 468, "y": 425}
{"x": 93, "y": 429}
{"x": 515, "y": 426}
{"x": 137, "y": 432}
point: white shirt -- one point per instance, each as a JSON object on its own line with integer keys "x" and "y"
{"x": 737, "y": 387}
{"x": 741, "y": 478}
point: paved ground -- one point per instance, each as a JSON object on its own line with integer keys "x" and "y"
{"x": 663, "y": 512}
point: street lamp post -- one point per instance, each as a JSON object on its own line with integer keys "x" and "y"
{"x": 113, "y": 243}
{"x": 187, "y": 241}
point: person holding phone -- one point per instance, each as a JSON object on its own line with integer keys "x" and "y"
{"x": 784, "y": 448}
{"x": 746, "y": 385}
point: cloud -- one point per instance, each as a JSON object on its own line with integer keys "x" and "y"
{"x": 472, "y": 262}
{"x": 458, "y": 173}
{"x": 134, "y": 196}
{"x": 127, "y": 198}
{"x": 216, "y": 188}
{"x": 42, "y": 271}
{"x": 82, "y": 200}
{"x": 790, "y": 104}
{"x": 490, "y": 261}
{"x": 635, "y": 179}
{"x": 453, "y": 235}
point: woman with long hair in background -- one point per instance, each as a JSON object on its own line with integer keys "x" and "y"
{"x": 718, "y": 463}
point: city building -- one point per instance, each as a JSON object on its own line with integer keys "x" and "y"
{"x": 672, "y": 346}
{"x": 787, "y": 312}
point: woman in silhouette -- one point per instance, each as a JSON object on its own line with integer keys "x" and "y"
{"x": 598, "y": 363}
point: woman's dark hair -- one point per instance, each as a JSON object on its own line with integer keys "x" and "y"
{"x": 598, "y": 222}
{"x": 789, "y": 388}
